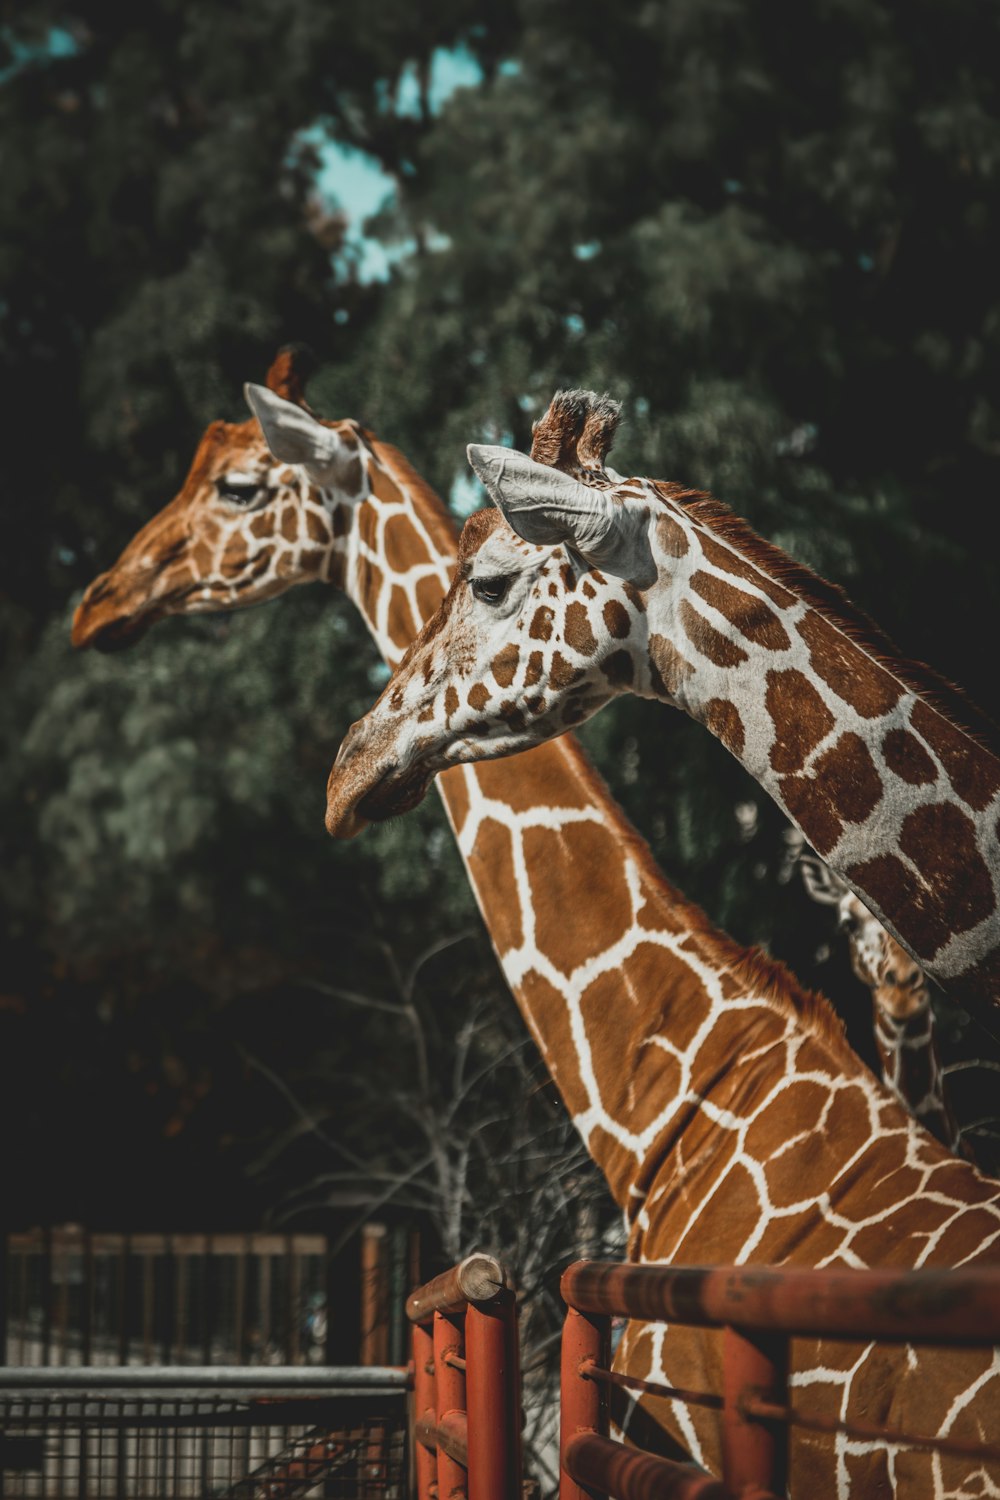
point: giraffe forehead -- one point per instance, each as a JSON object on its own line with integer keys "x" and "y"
{"x": 503, "y": 551}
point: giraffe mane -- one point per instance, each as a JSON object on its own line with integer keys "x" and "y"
{"x": 765, "y": 978}
{"x": 432, "y": 508}
{"x": 945, "y": 697}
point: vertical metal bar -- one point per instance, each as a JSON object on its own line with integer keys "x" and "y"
{"x": 61, "y": 1280}
{"x": 124, "y": 1259}
{"x": 167, "y": 1299}
{"x": 87, "y": 1307}
{"x": 206, "y": 1302}
{"x": 4, "y": 1295}
{"x": 148, "y": 1268}
{"x": 583, "y": 1403}
{"x": 374, "y": 1326}
{"x": 264, "y": 1288}
{"x": 239, "y": 1307}
{"x": 180, "y": 1335}
{"x": 424, "y": 1405}
{"x": 753, "y": 1452}
{"x": 494, "y": 1428}
{"x": 291, "y": 1303}
{"x": 47, "y": 1292}
{"x": 450, "y": 1396}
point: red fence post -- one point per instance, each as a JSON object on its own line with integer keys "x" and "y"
{"x": 493, "y": 1399}
{"x": 424, "y": 1406}
{"x": 754, "y": 1453}
{"x": 583, "y": 1403}
{"x": 450, "y": 1386}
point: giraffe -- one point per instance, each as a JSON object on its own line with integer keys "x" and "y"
{"x": 580, "y": 587}
{"x": 905, "y": 1031}
{"x": 706, "y": 1085}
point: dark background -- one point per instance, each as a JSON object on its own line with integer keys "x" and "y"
{"x": 772, "y": 234}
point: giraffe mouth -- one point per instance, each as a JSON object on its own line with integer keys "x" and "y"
{"x": 105, "y": 631}
{"x": 390, "y": 796}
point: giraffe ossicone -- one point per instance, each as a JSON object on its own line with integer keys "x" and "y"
{"x": 553, "y": 613}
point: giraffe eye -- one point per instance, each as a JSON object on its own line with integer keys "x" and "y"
{"x": 240, "y": 489}
{"x": 849, "y": 924}
{"x": 490, "y": 590}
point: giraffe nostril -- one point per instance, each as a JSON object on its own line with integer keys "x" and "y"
{"x": 891, "y": 977}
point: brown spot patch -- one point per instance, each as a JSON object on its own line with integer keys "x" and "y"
{"x": 316, "y": 527}
{"x": 578, "y": 632}
{"x": 429, "y": 595}
{"x": 511, "y": 715}
{"x": 401, "y": 625}
{"x": 533, "y": 671}
{"x": 504, "y": 665}
{"x": 289, "y": 523}
{"x": 479, "y": 696}
{"x": 563, "y": 673}
{"x": 201, "y": 559}
{"x": 671, "y": 537}
{"x": 236, "y": 553}
{"x": 338, "y": 521}
{"x": 616, "y": 619}
{"x": 403, "y": 548}
{"x": 450, "y": 700}
{"x": 667, "y": 667}
{"x": 956, "y": 891}
{"x": 492, "y": 866}
{"x": 455, "y": 794}
{"x": 905, "y": 755}
{"x": 634, "y": 597}
{"x": 848, "y": 767}
{"x": 537, "y": 778}
{"x": 262, "y": 562}
{"x": 801, "y": 719}
{"x": 559, "y": 865}
{"x": 568, "y": 578}
{"x": 810, "y": 805}
{"x": 589, "y": 592}
{"x": 848, "y": 670}
{"x": 541, "y": 624}
{"x": 349, "y": 478}
{"x": 723, "y": 719}
{"x": 368, "y": 525}
{"x": 972, "y": 771}
{"x": 750, "y": 616}
{"x": 263, "y": 524}
{"x": 731, "y": 562}
{"x": 618, "y": 669}
{"x": 708, "y": 641}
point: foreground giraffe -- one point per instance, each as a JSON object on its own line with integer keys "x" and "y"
{"x": 905, "y": 1031}
{"x": 712, "y": 1092}
{"x": 580, "y": 588}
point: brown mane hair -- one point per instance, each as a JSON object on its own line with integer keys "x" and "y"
{"x": 830, "y": 600}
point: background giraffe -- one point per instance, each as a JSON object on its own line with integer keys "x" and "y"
{"x": 735, "y": 1086}
{"x": 905, "y": 1029}
{"x": 586, "y": 587}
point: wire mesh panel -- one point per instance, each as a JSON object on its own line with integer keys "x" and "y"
{"x": 165, "y": 1444}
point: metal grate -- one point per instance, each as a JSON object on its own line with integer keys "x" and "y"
{"x": 174, "y": 1443}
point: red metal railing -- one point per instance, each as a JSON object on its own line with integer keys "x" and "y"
{"x": 760, "y": 1309}
{"x": 467, "y": 1400}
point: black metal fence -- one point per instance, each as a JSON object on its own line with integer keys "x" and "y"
{"x": 70, "y": 1297}
{"x": 233, "y": 1434}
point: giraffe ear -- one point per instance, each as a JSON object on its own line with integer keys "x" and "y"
{"x": 820, "y": 882}
{"x": 550, "y": 508}
{"x": 293, "y": 435}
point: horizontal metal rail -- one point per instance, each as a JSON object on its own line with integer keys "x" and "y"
{"x": 925, "y": 1307}
{"x": 759, "y": 1310}
{"x": 478, "y": 1278}
{"x": 324, "y": 1379}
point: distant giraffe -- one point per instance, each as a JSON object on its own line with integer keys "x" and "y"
{"x": 583, "y": 587}
{"x": 905, "y": 1031}
{"x": 711, "y": 1091}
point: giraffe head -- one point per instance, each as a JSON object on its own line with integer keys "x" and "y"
{"x": 249, "y": 522}
{"x": 897, "y": 982}
{"x": 544, "y": 623}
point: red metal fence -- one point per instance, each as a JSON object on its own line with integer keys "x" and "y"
{"x": 467, "y": 1400}
{"x": 760, "y": 1309}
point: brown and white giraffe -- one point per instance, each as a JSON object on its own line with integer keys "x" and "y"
{"x": 713, "y": 1093}
{"x": 905, "y": 1029}
{"x": 579, "y": 588}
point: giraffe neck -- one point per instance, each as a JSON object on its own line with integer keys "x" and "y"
{"x": 637, "y": 1007}
{"x": 911, "y": 1068}
{"x": 849, "y": 739}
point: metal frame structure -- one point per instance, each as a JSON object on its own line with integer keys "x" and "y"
{"x": 467, "y": 1400}
{"x": 236, "y": 1433}
{"x": 760, "y": 1309}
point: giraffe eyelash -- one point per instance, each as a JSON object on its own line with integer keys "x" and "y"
{"x": 240, "y": 490}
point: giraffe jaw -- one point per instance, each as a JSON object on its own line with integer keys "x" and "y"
{"x": 104, "y": 630}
